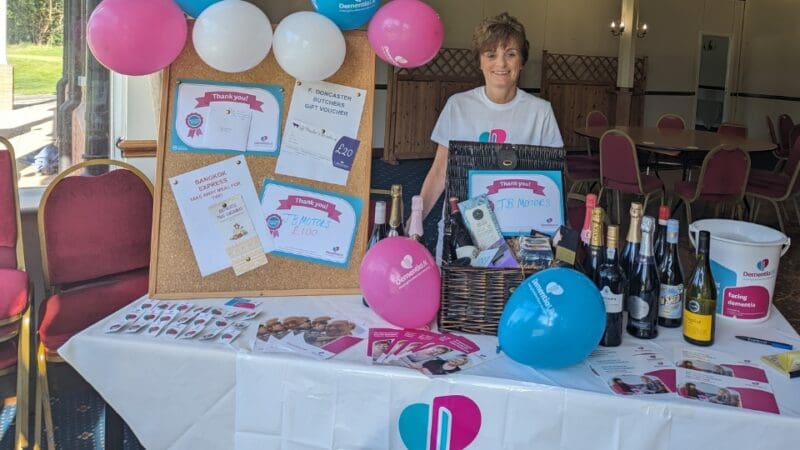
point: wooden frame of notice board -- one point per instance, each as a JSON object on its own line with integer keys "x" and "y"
{"x": 173, "y": 269}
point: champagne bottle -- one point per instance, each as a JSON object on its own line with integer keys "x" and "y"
{"x": 460, "y": 241}
{"x": 415, "y": 221}
{"x": 396, "y": 212}
{"x": 632, "y": 243}
{"x": 645, "y": 287}
{"x": 670, "y": 299}
{"x": 378, "y": 230}
{"x": 699, "y": 315}
{"x": 586, "y": 231}
{"x": 660, "y": 241}
{"x": 594, "y": 257}
{"x": 613, "y": 285}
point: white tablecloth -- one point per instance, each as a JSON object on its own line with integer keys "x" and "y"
{"x": 194, "y": 395}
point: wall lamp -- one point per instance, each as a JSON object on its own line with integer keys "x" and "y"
{"x": 616, "y": 30}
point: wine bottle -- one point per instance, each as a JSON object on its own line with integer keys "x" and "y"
{"x": 670, "y": 299}
{"x": 415, "y": 221}
{"x": 396, "y": 211}
{"x": 378, "y": 230}
{"x": 660, "y": 241}
{"x": 379, "y": 224}
{"x": 586, "y": 231}
{"x": 460, "y": 241}
{"x": 645, "y": 287}
{"x": 594, "y": 256}
{"x": 699, "y": 315}
{"x": 632, "y": 243}
{"x": 613, "y": 285}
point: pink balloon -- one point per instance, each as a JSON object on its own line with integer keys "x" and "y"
{"x": 401, "y": 282}
{"x": 406, "y": 33}
{"x": 136, "y": 37}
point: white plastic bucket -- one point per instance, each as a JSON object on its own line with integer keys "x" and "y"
{"x": 744, "y": 262}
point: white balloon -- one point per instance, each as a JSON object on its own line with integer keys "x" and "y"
{"x": 309, "y": 46}
{"x": 232, "y": 36}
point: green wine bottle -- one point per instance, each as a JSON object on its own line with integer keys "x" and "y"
{"x": 699, "y": 315}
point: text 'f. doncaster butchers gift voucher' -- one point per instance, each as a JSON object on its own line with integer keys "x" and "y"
{"x": 310, "y": 224}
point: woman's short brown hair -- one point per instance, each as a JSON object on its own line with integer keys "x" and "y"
{"x": 500, "y": 29}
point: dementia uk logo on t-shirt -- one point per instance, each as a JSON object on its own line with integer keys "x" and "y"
{"x": 496, "y": 135}
{"x": 450, "y": 422}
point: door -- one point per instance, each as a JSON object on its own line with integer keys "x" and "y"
{"x": 711, "y": 82}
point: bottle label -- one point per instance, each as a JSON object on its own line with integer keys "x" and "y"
{"x": 670, "y": 301}
{"x": 612, "y": 301}
{"x": 697, "y": 326}
{"x": 637, "y": 307}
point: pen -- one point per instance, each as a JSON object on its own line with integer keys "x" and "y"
{"x": 765, "y": 342}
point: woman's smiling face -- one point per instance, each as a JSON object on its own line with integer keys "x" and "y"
{"x": 501, "y": 67}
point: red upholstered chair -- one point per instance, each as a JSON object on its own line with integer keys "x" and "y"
{"x": 14, "y": 287}
{"x": 619, "y": 170}
{"x": 671, "y": 122}
{"x": 733, "y": 130}
{"x": 780, "y": 153}
{"x": 722, "y": 179}
{"x": 794, "y": 134}
{"x": 584, "y": 170}
{"x": 766, "y": 185}
{"x": 95, "y": 244}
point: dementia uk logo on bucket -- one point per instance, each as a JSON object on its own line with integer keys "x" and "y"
{"x": 450, "y": 422}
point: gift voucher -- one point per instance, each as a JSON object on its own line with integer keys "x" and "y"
{"x": 523, "y": 200}
{"x": 310, "y": 224}
{"x": 226, "y": 117}
{"x": 320, "y": 136}
{"x": 222, "y": 216}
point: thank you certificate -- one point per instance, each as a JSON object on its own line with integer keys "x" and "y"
{"x": 523, "y": 199}
{"x": 310, "y": 224}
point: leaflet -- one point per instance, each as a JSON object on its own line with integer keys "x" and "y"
{"x": 719, "y": 364}
{"x": 633, "y": 370}
{"x": 726, "y": 391}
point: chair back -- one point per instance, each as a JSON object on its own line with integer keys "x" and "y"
{"x": 733, "y": 130}
{"x": 596, "y": 119}
{"x": 618, "y": 160}
{"x": 794, "y": 134}
{"x": 95, "y": 226}
{"x": 11, "y": 256}
{"x": 724, "y": 174}
{"x": 671, "y": 122}
{"x": 785, "y": 125}
{"x": 773, "y": 137}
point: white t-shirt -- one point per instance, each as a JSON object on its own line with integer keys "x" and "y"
{"x": 471, "y": 116}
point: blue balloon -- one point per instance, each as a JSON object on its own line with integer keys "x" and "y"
{"x": 554, "y": 319}
{"x": 193, "y": 8}
{"x": 347, "y": 14}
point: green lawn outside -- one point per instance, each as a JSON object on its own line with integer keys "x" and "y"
{"x": 37, "y": 68}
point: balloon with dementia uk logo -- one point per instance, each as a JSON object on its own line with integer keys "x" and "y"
{"x": 554, "y": 319}
{"x": 347, "y": 14}
{"x": 401, "y": 282}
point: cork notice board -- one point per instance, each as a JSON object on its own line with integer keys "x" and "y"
{"x": 173, "y": 268}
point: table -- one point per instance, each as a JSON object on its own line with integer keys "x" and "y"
{"x": 673, "y": 142}
{"x": 193, "y": 395}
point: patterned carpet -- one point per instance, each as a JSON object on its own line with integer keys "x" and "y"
{"x": 79, "y": 411}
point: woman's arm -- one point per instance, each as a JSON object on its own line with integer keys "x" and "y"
{"x": 433, "y": 186}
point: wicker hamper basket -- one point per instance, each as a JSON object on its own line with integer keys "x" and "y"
{"x": 473, "y": 298}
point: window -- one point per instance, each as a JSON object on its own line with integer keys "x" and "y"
{"x": 47, "y": 124}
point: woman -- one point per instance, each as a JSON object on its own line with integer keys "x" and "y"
{"x": 498, "y": 111}
{"x": 443, "y": 367}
